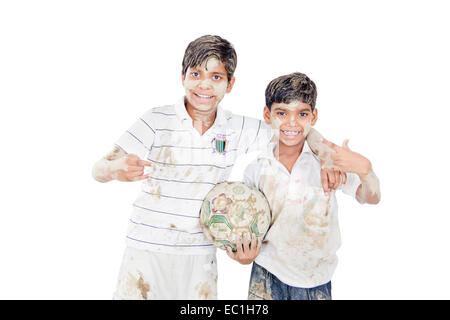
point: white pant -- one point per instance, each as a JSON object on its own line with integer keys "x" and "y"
{"x": 146, "y": 275}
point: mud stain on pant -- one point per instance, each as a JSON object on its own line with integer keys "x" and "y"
{"x": 137, "y": 285}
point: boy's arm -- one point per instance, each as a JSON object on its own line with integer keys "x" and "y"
{"x": 331, "y": 176}
{"x": 117, "y": 165}
{"x": 247, "y": 251}
{"x": 350, "y": 161}
{"x": 124, "y": 162}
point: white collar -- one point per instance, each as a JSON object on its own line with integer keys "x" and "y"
{"x": 222, "y": 115}
{"x": 268, "y": 153}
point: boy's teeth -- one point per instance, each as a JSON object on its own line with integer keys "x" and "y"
{"x": 203, "y": 96}
{"x": 290, "y": 133}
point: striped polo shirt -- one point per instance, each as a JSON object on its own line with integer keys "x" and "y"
{"x": 185, "y": 166}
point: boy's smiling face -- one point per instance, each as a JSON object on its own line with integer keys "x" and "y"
{"x": 291, "y": 122}
{"x": 206, "y": 85}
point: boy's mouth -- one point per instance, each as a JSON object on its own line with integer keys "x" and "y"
{"x": 203, "y": 96}
{"x": 290, "y": 133}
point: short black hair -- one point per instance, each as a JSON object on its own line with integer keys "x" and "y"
{"x": 291, "y": 87}
{"x": 202, "y": 49}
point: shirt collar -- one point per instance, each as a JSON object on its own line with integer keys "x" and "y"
{"x": 180, "y": 110}
{"x": 268, "y": 153}
{"x": 222, "y": 115}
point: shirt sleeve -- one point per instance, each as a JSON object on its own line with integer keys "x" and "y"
{"x": 351, "y": 185}
{"x": 138, "y": 139}
{"x": 251, "y": 175}
{"x": 255, "y": 135}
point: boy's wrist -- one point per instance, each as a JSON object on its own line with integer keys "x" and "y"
{"x": 366, "y": 168}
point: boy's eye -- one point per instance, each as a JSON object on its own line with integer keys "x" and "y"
{"x": 195, "y": 74}
{"x": 281, "y": 113}
{"x": 216, "y": 77}
{"x": 303, "y": 114}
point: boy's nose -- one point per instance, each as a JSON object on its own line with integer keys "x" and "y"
{"x": 292, "y": 122}
{"x": 205, "y": 84}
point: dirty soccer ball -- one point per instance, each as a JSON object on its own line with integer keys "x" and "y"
{"x": 231, "y": 209}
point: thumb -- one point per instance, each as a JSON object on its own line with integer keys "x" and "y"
{"x": 345, "y": 144}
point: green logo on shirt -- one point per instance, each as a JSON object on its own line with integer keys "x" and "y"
{"x": 219, "y": 144}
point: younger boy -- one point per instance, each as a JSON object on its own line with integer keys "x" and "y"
{"x": 298, "y": 257}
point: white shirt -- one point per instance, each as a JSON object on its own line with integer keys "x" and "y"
{"x": 300, "y": 246}
{"x": 185, "y": 166}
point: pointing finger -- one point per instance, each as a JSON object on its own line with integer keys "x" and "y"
{"x": 144, "y": 163}
{"x": 330, "y": 144}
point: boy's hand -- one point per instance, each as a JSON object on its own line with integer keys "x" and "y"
{"x": 117, "y": 165}
{"x": 349, "y": 161}
{"x": 332, "y": 178}
{"x": 132, "y": 170}
{"x": 246, "y": 254}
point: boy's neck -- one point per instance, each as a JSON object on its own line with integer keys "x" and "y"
{"x": 202, "y": 120}
{"x": 288, "y": 155}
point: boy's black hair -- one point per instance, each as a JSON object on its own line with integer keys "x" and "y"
{"x": 291, "y": 87}
{"x": 202, "y": 49}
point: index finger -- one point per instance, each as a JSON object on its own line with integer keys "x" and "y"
{"x": 144, "y": 163}
{"x": 330, "y": 144}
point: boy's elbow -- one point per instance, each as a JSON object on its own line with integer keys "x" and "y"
{"x": 374, "y": 200}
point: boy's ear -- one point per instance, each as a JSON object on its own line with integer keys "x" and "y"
{"x": 314, "y": 117}
{"x": 182, "y": 78}
{"x": 230, "y": 84}
{"x": 266, "y": 115}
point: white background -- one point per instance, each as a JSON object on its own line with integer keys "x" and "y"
{"x": 75, "y": 74}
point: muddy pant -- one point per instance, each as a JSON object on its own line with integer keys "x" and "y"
{"x": 265, "y": 286}
{"x": 147, "y": 275}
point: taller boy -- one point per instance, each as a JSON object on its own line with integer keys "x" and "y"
{"x": 189, "y": 147}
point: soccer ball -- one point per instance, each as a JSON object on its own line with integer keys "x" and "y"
{"x": 232, "y": 209}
